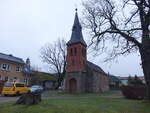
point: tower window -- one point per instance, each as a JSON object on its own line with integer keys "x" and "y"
{"x": 83, "y": 63}
{"x": 83, "y": 52}
{"x": 75, "y": 51}
{"x": 71, "y": 52}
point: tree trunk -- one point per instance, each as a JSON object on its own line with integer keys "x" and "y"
{"x": 29, "y": 99}
{"x": 61, "y": 78}
{"x": 59, "y": 81}
{"x": 145, "y": 58}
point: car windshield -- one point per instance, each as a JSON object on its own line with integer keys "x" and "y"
{"x": 19, "y": 85}
{"x": 8, "y": 85}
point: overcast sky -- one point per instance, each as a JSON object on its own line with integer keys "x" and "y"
{"x": 26, "y": 25}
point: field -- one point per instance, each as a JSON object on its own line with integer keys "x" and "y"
{"x": 80, "y": 105}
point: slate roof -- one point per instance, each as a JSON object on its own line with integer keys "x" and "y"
{"x": 114, "y": 78}
{"x": 11, "y": 58}
{"x": 76, "y": 36}
{"x": 95, "y": 67}
{"x": 17, "y": 60}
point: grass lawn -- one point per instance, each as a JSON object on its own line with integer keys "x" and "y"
{"x": 105, "y": 93}
{"x": 80, "y": 105}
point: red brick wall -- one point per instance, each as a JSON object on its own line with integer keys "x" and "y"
{"x": 76, "y": 62}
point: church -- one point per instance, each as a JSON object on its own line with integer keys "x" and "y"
{"x": 82, "y": 75}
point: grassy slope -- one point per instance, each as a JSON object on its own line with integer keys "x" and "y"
{"x": 80, "y": 105}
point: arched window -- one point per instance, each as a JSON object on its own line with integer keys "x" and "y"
{"x": 83, "y": 62}
{"x": 75, "y": 51}
{"x": 83, "y": 52}
{"x": 71, "y": 52}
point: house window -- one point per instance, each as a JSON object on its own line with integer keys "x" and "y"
{"x": 6, "y": 78}
{"x": 4, "y": 66}
{"x": 18, "y": 69}
{"x": 11, "y": 80}
{"x": 8, "y": 67}
{"x": 26, "y": 81}
{"x": 15, "y": 79}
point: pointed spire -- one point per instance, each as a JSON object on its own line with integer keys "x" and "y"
{"x": 76, "y": 24}
{"x": 28, "y": 62}
{"x": 76, "y": 36}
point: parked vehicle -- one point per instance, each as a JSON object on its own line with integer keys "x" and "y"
{"x": 36, "y": 89}
{"x": 1, "y": 86}
{"x": 14, "y": 88}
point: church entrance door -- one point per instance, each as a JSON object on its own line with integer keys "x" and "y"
{"x": 72, "y": 85}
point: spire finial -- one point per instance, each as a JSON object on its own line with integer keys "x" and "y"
{"x": 76, "y": 9}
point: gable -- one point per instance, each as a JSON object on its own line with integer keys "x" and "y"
{"x": 95, "y": 67}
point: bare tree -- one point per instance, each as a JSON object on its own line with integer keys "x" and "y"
{"x": 55, "y": 56}
{"x": 122, "y": 25}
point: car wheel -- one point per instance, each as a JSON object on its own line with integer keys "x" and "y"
{"x": 29, "y": 91}
{"x": 5, "y": 95}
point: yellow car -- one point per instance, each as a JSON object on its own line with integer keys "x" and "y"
{"x": 14, "y": 88}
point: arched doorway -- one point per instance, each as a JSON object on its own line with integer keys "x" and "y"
{"x": 72, "y": 85}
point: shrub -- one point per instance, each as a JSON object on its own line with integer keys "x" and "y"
{"x": 134, "y": 81}
{"x": 134, "y": 92}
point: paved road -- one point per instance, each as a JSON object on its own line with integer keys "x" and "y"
{"x": 7, "y": 99}
{"x": 14, "y": 98}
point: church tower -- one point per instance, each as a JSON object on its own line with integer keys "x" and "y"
{"x": 81, "y": 74}
{"x": 76, "y": 48}
{"x": 76, "y": 59}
